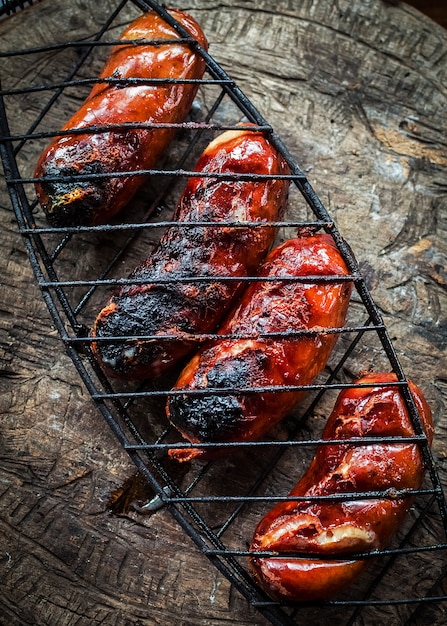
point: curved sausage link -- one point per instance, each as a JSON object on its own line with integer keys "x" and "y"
{"x": 95, "y": 201}
{"x": 340, "y": 528}
{"x": 275, "y": 306}
{"x": 177, "y": 308}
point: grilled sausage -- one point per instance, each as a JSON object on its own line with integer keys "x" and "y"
{"x": 95, "y": 201}
{"x": 177, "y": 308}
{"x": 355, "y": 525}
{"x": 252, "y": 361}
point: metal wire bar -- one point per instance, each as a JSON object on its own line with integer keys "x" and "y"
{"x": 373, "y": 554}
{"x": 160, "y": 172}
{"x": 240, "y": 390}
{"x": 88, "y": 130}
{"x": 8, "y": 7}
{"x": 290, "y": 334}
{"x": 92, "y": 43}
{"x": 388, "y": 494}
{"x": 118, "y": 82}
{"x": 45, "y": 230}
{"x": 299, "y": 443}
{"x": 73, "y": 72}
{"x": 342, "y": 278}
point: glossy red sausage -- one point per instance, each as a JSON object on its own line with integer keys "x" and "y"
{"x": 177, "y": 308}
{"x": 352, "y": 526}
{"x": 91, "y": 202}
{"x": 266, "y": 307}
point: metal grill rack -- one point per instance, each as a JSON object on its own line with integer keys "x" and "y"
{"x": 8, "y": 7}
{"x": 220, "y": 524}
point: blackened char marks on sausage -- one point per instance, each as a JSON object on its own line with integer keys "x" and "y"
{"x": 140, "y": 314}
{"x": 211, "y": 256}
{"x": 267, "y": 307}
{"x": 209, "y": 418}
{"x": 106, "y": 146}
{"x": 82, "y": 199}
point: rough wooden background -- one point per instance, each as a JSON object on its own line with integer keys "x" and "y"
{"x": 358, "y": 91}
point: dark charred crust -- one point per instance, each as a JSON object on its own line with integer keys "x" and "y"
{"x": 235, "y": 372}
{"x": 131, "y": 357}
{"x": 166, "y": 298}
{"x": 205, "y": 417}
{"x": 158, "y": 311}
{"x": 147, "y": 312}
{"x": 241, "y": 375}
{"x": 73, "y": 203}
{"x": 217, "y": 416}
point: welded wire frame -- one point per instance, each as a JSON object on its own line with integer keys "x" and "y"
{"x": 219, "y": 524}
{"x": 8, "y": 7}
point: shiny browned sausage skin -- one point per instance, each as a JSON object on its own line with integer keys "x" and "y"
{"x": 92, "y": 202}
{"x": 266, "y": 307}
{"x": 353, "y": 526}
{"x": 177, "y": 308}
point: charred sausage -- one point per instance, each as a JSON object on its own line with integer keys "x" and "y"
{"x": 95, "y": 201}
{"x": 342, "y": 528}
{"x": 274, "y": 306}
{"x": 178, "y": 308}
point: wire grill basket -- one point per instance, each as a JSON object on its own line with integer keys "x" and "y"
{"x": 218, "y": 515}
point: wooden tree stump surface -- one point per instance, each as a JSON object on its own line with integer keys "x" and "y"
{"x": 358, "y": 92}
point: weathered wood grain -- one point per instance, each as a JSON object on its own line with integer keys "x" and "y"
{"x": 357, "y": 90}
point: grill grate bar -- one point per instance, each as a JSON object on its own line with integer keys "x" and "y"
{"x": 210, "y": 336}
{"x": 312, "y": 224}
{"x": 389, "y": 494}
{"x": 136, "y": 126}
{"x": 92, "y": 43}
{"x": 300, "y": 443}
{"x": 238, "y": 390}
{"x": 203, "y": 279}
{"x": 332, "y": 557}
{"x": 155, "y": 172}
{"x": 358, "y": 603}
{"x": 119, "y": 82}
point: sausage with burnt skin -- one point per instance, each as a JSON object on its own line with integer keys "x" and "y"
{"x": 113, "y": 148}
{"x": 280, "y": 304}
{"x": 233, "y": 246}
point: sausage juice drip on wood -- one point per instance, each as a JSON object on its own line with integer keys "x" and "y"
{"x": 274, "y": 306}
{"x": 340, "y": 528}
{"x": 178, "y": 308}
{"x": 95, "y": 201}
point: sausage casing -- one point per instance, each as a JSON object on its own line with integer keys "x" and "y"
{"x": 273, "y": 306}
{"x": 95, "y": 201}
{"x": 178, "y": 308}
{"x": 339, "y": 528}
